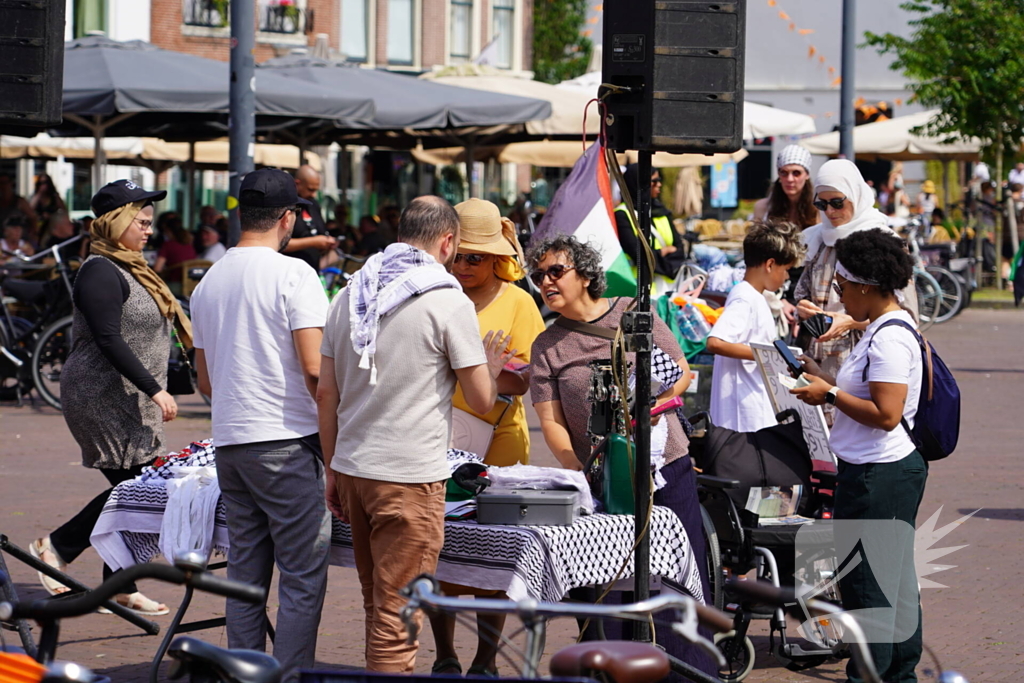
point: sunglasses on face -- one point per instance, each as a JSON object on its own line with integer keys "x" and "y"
{"x": 471, "y": 259}
{"x": 838, "y": 288}
{"x": 837, "y": 203}
{"x": 554, "y": 272}
{"x": 145, "y": 225}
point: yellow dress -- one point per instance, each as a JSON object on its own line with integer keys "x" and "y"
{"x": 515, "y": 312}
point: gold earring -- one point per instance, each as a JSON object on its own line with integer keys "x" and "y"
{"x": 863, "y": 290}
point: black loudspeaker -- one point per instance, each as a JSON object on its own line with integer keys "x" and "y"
{"x": 31, "y": 61}
{"x": 679, "y": 64}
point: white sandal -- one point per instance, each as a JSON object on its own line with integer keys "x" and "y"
{"x": 36, "y": 548}
{"x": 140, "y": 604}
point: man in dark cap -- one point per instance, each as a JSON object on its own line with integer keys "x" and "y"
{"x": 258, "y": 318}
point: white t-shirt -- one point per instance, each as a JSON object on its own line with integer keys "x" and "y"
{"x": 214, "y": 252}
{"x": 895, "y": 358}
{"x": 243, "y": 313}
{"x": 739, "y": 399}
{"x": 398, "y": 430}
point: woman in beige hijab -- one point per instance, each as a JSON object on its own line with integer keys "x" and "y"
{"x": 114, "y": 382}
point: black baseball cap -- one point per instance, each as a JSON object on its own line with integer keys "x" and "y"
{"x": 120, "y": 192}
{"x": 269, "y": 188}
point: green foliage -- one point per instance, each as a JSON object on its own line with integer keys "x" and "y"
{"x": 560, "y": 51}
{"x": 964, "y": 58}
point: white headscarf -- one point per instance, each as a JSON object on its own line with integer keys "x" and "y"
{"x": 842, "y": 175}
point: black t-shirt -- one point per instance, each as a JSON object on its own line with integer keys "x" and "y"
{"x": 309, "y": 224}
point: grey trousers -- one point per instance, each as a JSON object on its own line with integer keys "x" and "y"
{"x": 274, "y": 495}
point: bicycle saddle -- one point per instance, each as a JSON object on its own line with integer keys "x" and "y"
{"x": 622, "y": 660}
{"x": 233, "y": 666}
{"x": 26, "y": 291}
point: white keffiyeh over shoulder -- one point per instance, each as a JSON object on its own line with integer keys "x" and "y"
{"x": 385, "y": 282}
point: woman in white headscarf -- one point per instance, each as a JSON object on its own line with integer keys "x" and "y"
{"x": 846, "y": 204}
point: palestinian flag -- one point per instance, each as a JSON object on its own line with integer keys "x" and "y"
{"x": 583, "y": 208}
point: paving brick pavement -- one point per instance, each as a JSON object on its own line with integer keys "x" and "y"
{"x": 974, "y": 623}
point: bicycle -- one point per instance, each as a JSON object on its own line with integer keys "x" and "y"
{"x": 32, "y": 353}
{"x": 644, "y": 663}
{"x": 201, "y": 662}
{"x": 951, "y": 300}
{"x": 336, "y": 277}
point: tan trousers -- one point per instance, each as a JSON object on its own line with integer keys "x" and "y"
{"x": 397, "y": 534}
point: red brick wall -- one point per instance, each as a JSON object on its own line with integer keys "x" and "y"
{"x": 527, "y": 20}
{"x": 435, "y": 24}
{"x": 166, "y": 31}
{"x": 382, "y": 33}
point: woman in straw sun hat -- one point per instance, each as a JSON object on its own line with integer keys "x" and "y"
{"x": 488, "y": 263}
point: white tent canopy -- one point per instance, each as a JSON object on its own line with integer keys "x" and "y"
{"x": 894, "y": 140}
{"x": 759, "y": 121}
{"x": 561, "y": 154}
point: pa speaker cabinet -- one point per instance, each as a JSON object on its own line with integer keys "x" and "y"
{"x": 31, "y": 61}
{"x": 682, "y": 62}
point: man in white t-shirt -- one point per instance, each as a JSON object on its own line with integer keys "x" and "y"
{"x": 397, "y": 340}
{"x": 739, "y": 398}
{"x": 258, "y": 320}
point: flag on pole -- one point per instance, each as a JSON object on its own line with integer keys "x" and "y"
{"x": 583, "y": 208}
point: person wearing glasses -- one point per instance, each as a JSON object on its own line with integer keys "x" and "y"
{"x": 113, "y": 384}
{"x": 669, "y": 252}
{"x": 571, "y": 281}
{"x": 487, "y": 265}
{"x": 846, "y": 204}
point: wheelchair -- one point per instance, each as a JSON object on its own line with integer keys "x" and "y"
{"x": 731, "y": 463}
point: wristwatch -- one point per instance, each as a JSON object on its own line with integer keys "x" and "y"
{"x": 830, "y": 397}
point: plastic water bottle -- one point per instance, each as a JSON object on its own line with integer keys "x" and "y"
{"x": 692, "y": 324}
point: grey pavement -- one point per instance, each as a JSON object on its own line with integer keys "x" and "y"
{"x": 973, "y": 623}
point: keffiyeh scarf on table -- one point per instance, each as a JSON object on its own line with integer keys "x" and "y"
{"x": 383, "y": 284}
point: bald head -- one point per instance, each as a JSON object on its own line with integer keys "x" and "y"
{"x": 307, "y": 182}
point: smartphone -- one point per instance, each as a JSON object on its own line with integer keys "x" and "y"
{"x": 796, "y": 368}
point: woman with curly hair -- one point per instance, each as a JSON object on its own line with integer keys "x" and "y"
{"x": 881, "y": 474}
{"x": 571, "y": 282}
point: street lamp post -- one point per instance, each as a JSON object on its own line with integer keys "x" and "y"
{"x": 242, "y": 114}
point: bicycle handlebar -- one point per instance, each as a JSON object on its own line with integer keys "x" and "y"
{"x": 766, "y": 593}
{"x": 89, "y": 602}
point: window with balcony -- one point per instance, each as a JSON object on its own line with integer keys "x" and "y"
{"x": 281, "y": 16}
{"x": 461, "y": 43}
{"x": 504, "y": 32}
{"x": 206, "y": 13}
{"x": 355, "y": 30}
{"x": 401, "y": 22}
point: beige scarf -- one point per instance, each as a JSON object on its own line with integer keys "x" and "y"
{"x": 106, "y": 233}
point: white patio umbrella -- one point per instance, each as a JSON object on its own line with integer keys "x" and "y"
{"x": 562, "y": 154}
{"x": 759, "y": 121}
{"x": 895, "y": 140}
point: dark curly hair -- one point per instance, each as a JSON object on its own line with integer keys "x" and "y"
{"x": 877, "y": 255}
{"x": 584, "y": 258}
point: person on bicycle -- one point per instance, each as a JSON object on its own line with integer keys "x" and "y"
{"x": 113, "y": 384}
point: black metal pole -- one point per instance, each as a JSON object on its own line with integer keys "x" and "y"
{"x": 242, "y": 116}
{"x": 849, "y": 80}
{"x": 642, "y": 341}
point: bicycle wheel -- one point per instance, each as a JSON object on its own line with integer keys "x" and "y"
{"x": 51, "y": 351}
{"x": 952, "y": 300}
{"x": 929, "y": 294}
{"x": 714, "y": 561}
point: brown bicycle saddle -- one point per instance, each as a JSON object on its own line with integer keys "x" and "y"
{"x": 623, "y": 660}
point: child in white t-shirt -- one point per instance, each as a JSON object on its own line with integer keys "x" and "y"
{"x": 739, "y": 399}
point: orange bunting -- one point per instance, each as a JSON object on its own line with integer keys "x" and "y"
{"x": 821, "y": 58}
{"x": 837, "y": 82}
{"x": 586, "y": 33}
{"x": 599, "y": 7}
{"x": 783, "y": 16}
{"x": 806, "y": 31}
{"x": 771, "y": 3}
{"x": 829, "y": 115}
{"x": 831, "y": 71}
{"x": 859, "y": 102}
{"x": 593, "y": 20}
{"x": 899, "y": 103}
{"x": 792, "y": 26}
{"x": 811, "y": 51}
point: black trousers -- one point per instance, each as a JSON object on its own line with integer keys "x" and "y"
{"x": 73, "y": 536}
{"x": 885, "y": 492}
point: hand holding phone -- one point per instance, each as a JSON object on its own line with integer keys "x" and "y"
{"x": 795, "y": 367}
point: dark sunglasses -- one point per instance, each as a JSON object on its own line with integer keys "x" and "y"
{"x": 656, "y": 180}
{"x": 554, "y": 272}
{"x": 471, "y": 259}
{"x": 837, "y": 203}
{"x": 838, "y": 288}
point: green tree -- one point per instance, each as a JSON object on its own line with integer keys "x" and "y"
{"x": 963, "y": 57}
{"x": 560, "y": 51}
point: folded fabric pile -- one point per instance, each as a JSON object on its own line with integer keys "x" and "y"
{"x": 198, "y": 454}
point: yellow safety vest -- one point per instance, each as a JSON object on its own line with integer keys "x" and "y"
{"x": 662, "y": 234}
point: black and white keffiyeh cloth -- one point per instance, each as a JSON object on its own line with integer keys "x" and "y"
{"x": 540, "y": 562}
{"x": 385, "y": 282}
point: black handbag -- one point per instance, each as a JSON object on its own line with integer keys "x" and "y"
{"x": 179, "y": 374}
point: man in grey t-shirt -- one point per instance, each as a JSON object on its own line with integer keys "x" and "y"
{"x": 398, "y": 339}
